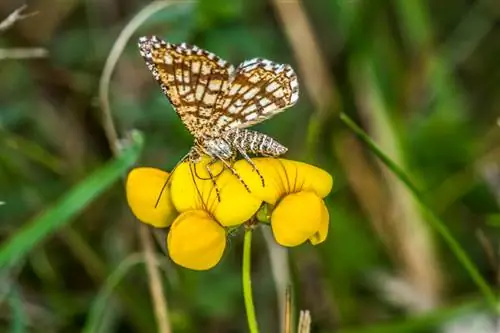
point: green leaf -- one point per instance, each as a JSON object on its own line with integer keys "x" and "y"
{"x": 15, "y": 248}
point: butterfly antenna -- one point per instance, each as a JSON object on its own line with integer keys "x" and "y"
{"x": 168, "y": 178}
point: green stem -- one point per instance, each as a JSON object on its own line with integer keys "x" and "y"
{"x": 434, "y": 220}
{"x": 247, "y": 282}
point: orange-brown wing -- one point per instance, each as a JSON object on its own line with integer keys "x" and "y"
{"x": 193, "y": 79}
{"x": 258, "y": 90}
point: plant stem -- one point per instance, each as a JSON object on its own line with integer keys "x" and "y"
{"x": 433, "y": 219}
{"x": 154, "y": 277}
{"x": 247, "y": 282}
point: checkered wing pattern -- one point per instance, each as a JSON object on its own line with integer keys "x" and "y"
{"x": 258, "y": 90}
{"x": 193, "y": 79}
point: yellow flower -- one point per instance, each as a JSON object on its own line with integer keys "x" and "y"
{"x": 189, "y": 192}
{"x": 143, "y": 187}
{"x": 296, "y": 190}
{"x": 197, "y": 237}
{"x": 196, "y": 241}
{"x": 197, "y": 219}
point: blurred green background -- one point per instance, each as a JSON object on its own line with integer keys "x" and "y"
{"x": 421, "y": 77}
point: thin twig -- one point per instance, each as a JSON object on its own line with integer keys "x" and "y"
{"x": 287, "y": 318}
{"x": 155, "y": 284}
{"x": 19, "y": 53}
{"x": 156, "y": 287}
{"x": 15, "y": 16}
{"x": 304, "y": 322}
{"x": 23, "y": 53}
{"x": 111, "y": 61}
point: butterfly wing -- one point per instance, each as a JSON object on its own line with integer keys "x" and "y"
{"x": 258, "y": 90}
{"x": 193, "y": 79}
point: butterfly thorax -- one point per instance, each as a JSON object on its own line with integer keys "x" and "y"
{"x": 216, "y": 147}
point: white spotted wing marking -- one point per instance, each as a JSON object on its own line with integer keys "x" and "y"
{"x": 258, "y": 90}
{"x": 209, "y": 95}
{"x": 192, "y": 79}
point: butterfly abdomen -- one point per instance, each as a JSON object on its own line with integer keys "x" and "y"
{"x": 255, "y": 142}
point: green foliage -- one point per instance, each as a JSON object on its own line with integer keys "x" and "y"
{"x": 420, "y": 76}
{"x": 101, "y": 302}
{"x": 14, "y": 249}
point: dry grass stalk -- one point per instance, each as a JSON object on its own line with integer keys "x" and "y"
{"x": 155, "y": 285}
{"x": 321, "y": 87}
{"x": 19, "y": 53}
{"x": 304, "y": 322}
{"x": 15, "y": 16}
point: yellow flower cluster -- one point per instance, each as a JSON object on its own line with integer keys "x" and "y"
{"x": 293, "y": 191}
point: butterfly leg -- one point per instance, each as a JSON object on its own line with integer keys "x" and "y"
{"x": 195, "y": 157}
{"x": 238, "y": 140}
{"x": 230, "y": 167}
{"x": 249, "y": 160}
{"x": 212, "y": 177}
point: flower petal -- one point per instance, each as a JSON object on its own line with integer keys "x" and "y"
{"x": 196, "y": 241}
{"x": 322, "y": 233}
{"x": 143, "y": 187}
{"x": 297, "y": 217}
{"x": 189, "y": 192}
{"x": 282, "y": 177}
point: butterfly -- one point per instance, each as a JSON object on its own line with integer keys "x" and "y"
{"x": 218, "y": 102}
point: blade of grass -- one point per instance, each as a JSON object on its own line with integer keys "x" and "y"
{"x": 434, "y": 220}
{"x": 32, "y": 151}
{"x": 112, "y": 282}
{"x": 99, "y": 304}
{"x": 15, "y": 248}
{"x": 137, "y": 309}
